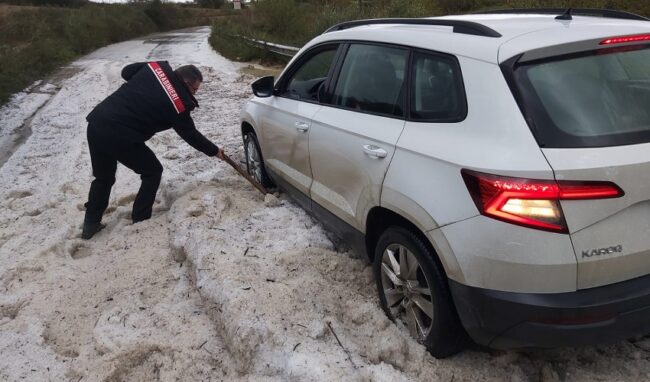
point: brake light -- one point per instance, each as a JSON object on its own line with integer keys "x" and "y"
{"x": 529, "y": 202}
{"x": 624, "y": 39}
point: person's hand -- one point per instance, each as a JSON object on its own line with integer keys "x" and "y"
{"x": 220, "y": 154}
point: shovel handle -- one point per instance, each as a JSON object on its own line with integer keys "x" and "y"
{"x": 243, "y": 173}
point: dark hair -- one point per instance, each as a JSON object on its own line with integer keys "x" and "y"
{"x": 189, "y": 73}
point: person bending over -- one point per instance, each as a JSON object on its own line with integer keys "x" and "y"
{"x": 153, "y": 99}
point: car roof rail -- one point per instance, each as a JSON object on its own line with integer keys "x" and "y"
{"x": 460, "y": 26}
{"x": 567, "y": 12}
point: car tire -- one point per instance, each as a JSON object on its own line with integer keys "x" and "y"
{"x": 254, "y": 160}
{"x": 426, "y": 310}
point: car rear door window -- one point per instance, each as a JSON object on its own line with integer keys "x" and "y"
{"x": 310, "y": 74}
{"x": 592, "y": 99}
{"x": 437, "y": 90}
{"x": 372, "y": 80}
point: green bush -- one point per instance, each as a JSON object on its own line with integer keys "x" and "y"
{"x": 36, "y": 41}
{"x": 226, "y": 35}
{"x": 59, "y": 3}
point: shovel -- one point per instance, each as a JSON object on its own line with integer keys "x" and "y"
{"x": 243, "y": 173}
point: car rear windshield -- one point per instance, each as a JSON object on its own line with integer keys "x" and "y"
{"x": 594, "y": 99}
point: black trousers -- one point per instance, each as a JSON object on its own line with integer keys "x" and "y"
{"x": 107, "y": 147}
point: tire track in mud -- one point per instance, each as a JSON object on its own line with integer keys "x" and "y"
{"x": 259, "y": 290}
{"x": 50, "y": 87}
{"x": 120, "y": 312}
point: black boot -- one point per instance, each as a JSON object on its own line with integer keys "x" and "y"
{"x": 90, "y": 229}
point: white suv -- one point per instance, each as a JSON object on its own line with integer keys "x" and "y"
{"x": 494, "y": 167}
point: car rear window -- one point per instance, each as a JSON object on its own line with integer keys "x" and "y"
{"x": 595, "y": 99}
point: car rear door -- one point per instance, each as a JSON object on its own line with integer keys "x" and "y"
{"x": 287, "y": 120}
{"x": 591, "y": 112}
{"x": 352, "y": 140}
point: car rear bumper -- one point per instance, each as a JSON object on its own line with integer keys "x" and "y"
{"x": 505, "y": 320}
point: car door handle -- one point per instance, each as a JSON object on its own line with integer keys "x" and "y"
{"x": 374, "y": 151}
{"x": 302, "y": 126}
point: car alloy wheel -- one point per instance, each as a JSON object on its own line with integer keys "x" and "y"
{"x": 413, "y": 289}
{"x": 253, "y": 161}
{"x": 407, "y": 290}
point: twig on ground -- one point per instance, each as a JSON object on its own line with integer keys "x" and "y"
{"x": 329, "y": 325}
{"x": 204, "y": 342}
{"x": 296, "y": 347}
{"x": 246, "y": 253}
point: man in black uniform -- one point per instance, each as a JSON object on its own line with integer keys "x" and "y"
{"x": 154, "y": 98}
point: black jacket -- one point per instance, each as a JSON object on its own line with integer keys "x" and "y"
{"x": 153, "y": 99}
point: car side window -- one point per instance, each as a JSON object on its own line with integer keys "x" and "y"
{"x": 305, "y": 82}
{"x": 372, "y": 80}
{"x": 437, "y": 92}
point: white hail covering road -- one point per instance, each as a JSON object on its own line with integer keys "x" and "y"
{"x": 262, "y": 293}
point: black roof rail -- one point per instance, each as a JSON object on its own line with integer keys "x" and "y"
{"x": 460, "y": 26}
{"x": 608, "y": 13}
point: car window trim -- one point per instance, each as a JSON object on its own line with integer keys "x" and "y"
{"x": 336, "y": 72}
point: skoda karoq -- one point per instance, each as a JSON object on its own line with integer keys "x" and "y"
{"x": 495, "y": 168}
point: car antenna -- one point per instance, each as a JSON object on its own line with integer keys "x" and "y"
{"x": 566, "y": 15}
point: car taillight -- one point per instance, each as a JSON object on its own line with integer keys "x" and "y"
{"x": 530, "y": 202}
{"x": 625, "y": 39}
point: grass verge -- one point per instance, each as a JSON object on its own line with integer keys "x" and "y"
{"x": 34, "y": 41}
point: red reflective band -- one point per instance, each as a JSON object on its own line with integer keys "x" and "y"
{"x": 624, "y": 39}
{"x": 530, "y": 202}
{"x": 588, "y": 190}
{"x": 167, "y": 87}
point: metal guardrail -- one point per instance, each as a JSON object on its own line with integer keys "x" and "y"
{"x": 282, "y": 50}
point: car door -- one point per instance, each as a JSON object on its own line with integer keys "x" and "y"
{"x": 287, "y": 120}
{"x": 353, "y": 137}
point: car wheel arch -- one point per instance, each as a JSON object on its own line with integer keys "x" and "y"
{"x": 381, "y": 218}
{"x": 246, "y": 128}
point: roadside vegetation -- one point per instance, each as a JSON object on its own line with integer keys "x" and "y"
{"x": 295, "y": 22}
{"x": 36, "y": 40}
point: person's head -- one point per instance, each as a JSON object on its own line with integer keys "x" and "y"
{"x": 191, "y": 75}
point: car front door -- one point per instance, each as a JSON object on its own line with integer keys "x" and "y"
{"x": 353, "y": 137}
{"x": 287, "y": 121}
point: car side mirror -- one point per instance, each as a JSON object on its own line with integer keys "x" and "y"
{"x": 264, "y": 86}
